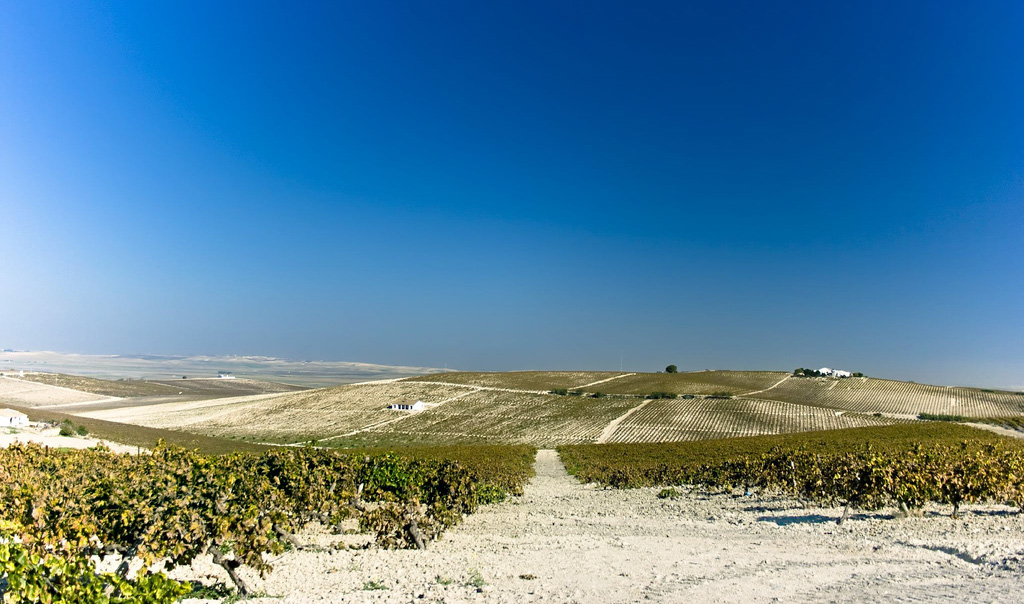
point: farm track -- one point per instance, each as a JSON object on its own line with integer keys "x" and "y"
{"x": 563, "y": 541}
{"x": 615, "y": 377}
{"x": 998, "y": 430}
{"x": 766, "y": 389}
{"x": 614, "y": 424}
{"x": 476, "y": 387}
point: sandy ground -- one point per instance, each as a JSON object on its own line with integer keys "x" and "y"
{"x": 567, "y": 542}
{"x": 33, "y": 394}
{"x": 51, "y": 437}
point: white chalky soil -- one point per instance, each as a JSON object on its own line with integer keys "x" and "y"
{"x": 567, "y": 542}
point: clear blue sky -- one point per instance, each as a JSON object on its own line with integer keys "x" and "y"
{"x": 518, "y": 186}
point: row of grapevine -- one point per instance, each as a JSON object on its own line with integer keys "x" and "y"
{"x": 285, "y": 418}
{"x": 519, "y": 380}
{"x": 171, "y": 506}
{"x": 699, "y": 418}
{"x": 517, "y": 417}
{"x": 868, "y": 395}
{"x": 868, "y": 478}
{"x": 697, "y": 382}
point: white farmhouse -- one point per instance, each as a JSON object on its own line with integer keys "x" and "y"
{"x": 9, "y": 418}
{"x": 417, "y": 406}
{"x": 839, "y": 373}
{"x": 226, "y": 375}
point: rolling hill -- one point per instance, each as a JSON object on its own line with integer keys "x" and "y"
{"x": 546, "y": 408}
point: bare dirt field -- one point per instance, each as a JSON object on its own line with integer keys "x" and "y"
{"x": 567, "y": 542}
{"x": 51, "y": 437}
{"x": 32, "y": 394}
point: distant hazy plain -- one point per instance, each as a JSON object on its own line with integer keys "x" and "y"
{"x": 303, "y": 373}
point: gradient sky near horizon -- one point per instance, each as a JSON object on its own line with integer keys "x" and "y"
{"x": 527, "y": 185}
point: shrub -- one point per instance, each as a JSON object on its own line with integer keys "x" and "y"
{"x": 670, "y": 493}
{"x": 671, "y": 369}
{"x": 559, "y": 391}
{"x": 940, "y": 417}
{"x": 598, "y": 395}
{"x": 659, "y": 395}
{"x": 720, "y": 394}
{"x": 82, "y": 430}
{"x": 67, "y": 429}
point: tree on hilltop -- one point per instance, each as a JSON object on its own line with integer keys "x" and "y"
{"x": 671, "y": 369}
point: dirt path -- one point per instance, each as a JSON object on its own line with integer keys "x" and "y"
{"x": 567, "y": 542}
{"x": 768, "y": 388}
{"x": 478, "y": 388}
{"x": 998, "y": 430}
{"x": 614, "y": 377}
{"x": 614, "y": 424}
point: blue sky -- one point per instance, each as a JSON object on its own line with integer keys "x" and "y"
{"x": 531, "y": 185}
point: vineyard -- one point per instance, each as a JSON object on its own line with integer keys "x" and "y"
{"x": 521, "y": 380}
{"x": 516, "y": 417}
{"x": 697, "y": 382}
{"x": 591, "y": 462}
{"x": 709, "y": 418}
{"x": 59, "y": 509}
{"x": 285, "y": 418}
{"x": 905, "y": 466}
{"x": 869, "y": 395}
{"x": 536, "y": 408}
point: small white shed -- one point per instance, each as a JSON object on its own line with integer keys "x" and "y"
{"x": 825, "y": 371}
{"x": 417, "y": 406}
{"x": 9, "y": 418}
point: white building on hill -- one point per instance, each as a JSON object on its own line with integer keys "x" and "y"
{"x": 417, "y": 406}
{"x": 839, "y": 373}
{"x": 9, "y": 418}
